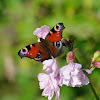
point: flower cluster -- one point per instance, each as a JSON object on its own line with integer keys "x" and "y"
{"x": 49, "y": 81}
{"x": 70, "y": 75}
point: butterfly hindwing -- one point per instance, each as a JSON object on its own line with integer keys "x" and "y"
{"x": 51, "y": 48}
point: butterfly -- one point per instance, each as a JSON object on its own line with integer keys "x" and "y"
{"x": 47, "y": 48}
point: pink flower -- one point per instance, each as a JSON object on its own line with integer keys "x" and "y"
{"x": 50, "y": 85}
{"x": 50, "y": 66}
{"x": 96, "y": 64}
{"x": 73, "y": 76}
{"x": 41, "y": 32}
{"x": 71, "y": 56}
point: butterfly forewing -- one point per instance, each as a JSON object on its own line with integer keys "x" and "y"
{"x": 30, "y": 51}
{"x": 55, "y": 33}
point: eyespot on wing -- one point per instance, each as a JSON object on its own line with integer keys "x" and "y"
{"x": 31, "y": 51}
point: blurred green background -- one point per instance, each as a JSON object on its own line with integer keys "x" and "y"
{"x": 18, "y": 20}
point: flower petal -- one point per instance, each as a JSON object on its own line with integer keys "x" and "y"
{"x": 42, "y": 76}
{"x": 57, "y": 91}
{"x": 37, "y": 32}
{"x": 48, "y": 62}
{"x": 88, "y": 71}
{"x": 42, "y": 32}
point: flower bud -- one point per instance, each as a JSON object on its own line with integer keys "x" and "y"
{"x": 96, "y": 64}
{"x": 98, "y": 59}
{"x": 71, "y": 56}
{"x": 96, "y": 55}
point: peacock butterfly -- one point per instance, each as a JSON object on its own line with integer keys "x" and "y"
{"x": 47, "y": 48}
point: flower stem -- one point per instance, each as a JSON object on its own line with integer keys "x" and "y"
{"x": 93, "y": 91}
{"x": 91, "y": 68}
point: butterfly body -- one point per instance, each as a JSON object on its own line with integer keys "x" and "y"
{"x": 47, "y": 48}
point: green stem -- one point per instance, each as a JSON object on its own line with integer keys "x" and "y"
{"x": 91, "y": 68}
{"x": 93, "y": 91}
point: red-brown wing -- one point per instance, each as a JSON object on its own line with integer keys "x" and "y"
{"x": 34, "y": 51}
{"x": 56, "y": 48}
{"x": 55, "y": 33}
{"x": 30, "y": 51}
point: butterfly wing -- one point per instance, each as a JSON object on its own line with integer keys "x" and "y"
{"x": 54, "y": 39}
{"x": 51, "y": 46}
{"x": 55, "y": 33}
{"x": 34, "y": 51}
{"x": 29, "y": 51}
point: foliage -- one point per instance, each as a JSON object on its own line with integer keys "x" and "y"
{"x": 18, "y": 20}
